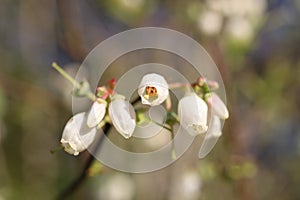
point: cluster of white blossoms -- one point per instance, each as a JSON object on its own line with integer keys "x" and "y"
{"x": 80, "y": 130}
{"x": 193, "y": 111}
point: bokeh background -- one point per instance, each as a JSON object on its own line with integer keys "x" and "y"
{"x": 256, "y": 46}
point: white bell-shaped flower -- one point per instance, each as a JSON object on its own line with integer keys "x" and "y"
{"x": 215, "y": 129}
{"x": 77, "y": 136}
{"x": 192, "y": 113}
{"x": 96, "y": 113}
{"x": 213, "y": 133}
{"x": 153, "y": 89}
{"x": 217, "y": 105}
{"x": 123, "y": 117}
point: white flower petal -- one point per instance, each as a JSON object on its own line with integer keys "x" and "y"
{"x": 123, "y": 117}
{"x": 192, "y": 112}
{"x": 216, "y": 129}
{"x": 213, "y": 133}
{"x": 218, "y": 106}
{"x": 96, "y": 114}
{"x": 159, "y": 84}
{"x": 77, "y": 136}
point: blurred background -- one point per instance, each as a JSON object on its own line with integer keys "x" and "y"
{"x": 255, "y": 44}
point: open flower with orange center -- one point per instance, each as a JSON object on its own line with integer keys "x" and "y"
{"x": 153, "y": 89}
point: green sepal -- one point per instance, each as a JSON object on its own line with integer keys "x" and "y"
{"x": 83, "y": 90}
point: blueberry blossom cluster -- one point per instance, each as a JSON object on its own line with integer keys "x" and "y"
{"x": 80, "y": 130}
{"x": 195, "y": 110}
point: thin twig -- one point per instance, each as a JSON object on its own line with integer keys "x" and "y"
{"x": 79, "y": 180}
{"x": 66, "y": 75}
{"x": 173, "y": 143}
{"x": 161, "y": 125}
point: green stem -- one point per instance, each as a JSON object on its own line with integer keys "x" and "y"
{"x": 161, "y": 125}
{"x": 56, "y": 149}
{"x": 172, "y": 136}
{"x": 78, "y": 86}
{"x": 173, "y": 144}
{"x": 66, "y": 75}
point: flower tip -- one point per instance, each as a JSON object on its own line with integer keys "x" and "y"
{"x": 226, "y": 115}
{"x": 128, "y": 133}
{"x": 223, "y": 114}
{"x": 217, "y": 105}
{"x": 127, "y": 136}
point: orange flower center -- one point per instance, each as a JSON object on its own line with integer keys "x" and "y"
{"x": 151, "y": 91}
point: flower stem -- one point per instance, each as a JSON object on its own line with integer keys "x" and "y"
{"x": 66, "y": 75}
{"x": 77, "y": 85}
{"x": 171, "y": 129}
{"x": 173, "y": 144}
{"x": 56, "y": 149}
{"x": 161, "y": 125}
